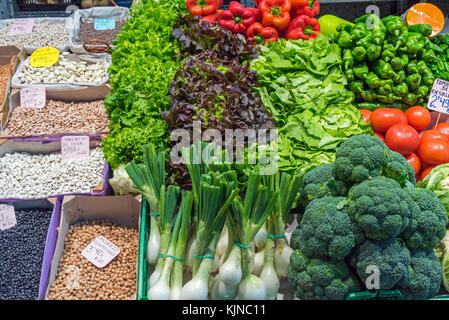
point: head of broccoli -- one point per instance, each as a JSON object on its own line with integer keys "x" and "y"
{"x": 325, "y": 230}
{"x": 380, "y": 207}
{"x": 427, "y": 225}
{"x": 425, "y": 276}
{"x": 391, "y": 257}
{"x": 360, "y": 158}
{"x": 320, "y": 182}
{"x": 316, "y": 279}
{"x": 397, "y": 168}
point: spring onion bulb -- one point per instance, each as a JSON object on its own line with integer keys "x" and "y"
{"x": 252, "y": 288}
{"x": 222, "y": 291}
{"x": 256, "y": 263}
{"x": 222, "y": 242}
{"x": 268, "y": 274}
{"x": 154, "y": 241}
{"x": 188, "y": 263}
{"x": 261, "y": 238}
{"x": 216, "y": 264}
{"x": 231, "y": 270}
{"x": 282, "y": 255}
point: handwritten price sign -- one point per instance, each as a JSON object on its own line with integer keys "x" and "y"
{"x": 100, "y": 252}
{"x": 439, "y": 96}
{"x": 33, "y": 97}
{"x": 44, "y": 57}
{"x": 74, "y": 147}
{"x": 104, "y": 24}
{"x": 21, "y": 26}
{"x": 7, "y": 216}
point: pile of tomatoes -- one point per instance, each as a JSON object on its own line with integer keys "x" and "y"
{"x": 404, "y": 133}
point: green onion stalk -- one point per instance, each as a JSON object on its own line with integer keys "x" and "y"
{"x": 215, "y": 195}
{"x": 250, "y": 216}
{"x": 288, "y": 188}
{"x": 149, "y": 178}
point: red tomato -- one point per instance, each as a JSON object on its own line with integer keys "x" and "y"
{"x": 432, "y": 135}
{"x": 443, "y": 128}
{"x": 402, "y": 138}
{"x": 425, "y": 172}
{"x": 366, "y": 114}
{"x": 383, "y": 118}
{"x": 380, "y": 136}
{"x": 414, "y": 160}
{"x": 418, "y": 117}
{"x": 434, "y": 152}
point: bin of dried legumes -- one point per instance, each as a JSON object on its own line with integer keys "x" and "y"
{"x": 22, "y": 251}
{"x": 47, "y": 32}
{"x": 71, "y": 71}
{"x": 5, "y": 72}
{"x": 73, "y": 276}
{"x": 57, "y": 117}
{"x": 33, "y": 170}
{"x": 88, "y": 32}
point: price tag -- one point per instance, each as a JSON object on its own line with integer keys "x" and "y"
{"x": 21, "y": 26}
{"x": 44, "y": 57}
{"x": 33, "y": 97}
{"x": 100, "y": 252}
{"x": 74, "y": 147}
{"x": 7, "y": 216}
{"x": 439, "y": 96}
{"x": 104, "y": 24}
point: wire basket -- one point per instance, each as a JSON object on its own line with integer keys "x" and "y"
{"x": 46, "y": 5}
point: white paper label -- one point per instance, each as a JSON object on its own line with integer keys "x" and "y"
{"x": 7, "y": 216}
{"x": 104, "y": 24}
{"x": 33, "y": 97}
{"x": 439, "y": 97}
{"x": 100, "y": 252}
{"x": 74, "y": 147}
{"x": 21, "y": 26}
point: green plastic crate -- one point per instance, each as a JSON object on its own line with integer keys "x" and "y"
{"x": 142, "y": 261}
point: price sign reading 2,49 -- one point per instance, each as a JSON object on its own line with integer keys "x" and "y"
{"x": 439, "y": 97}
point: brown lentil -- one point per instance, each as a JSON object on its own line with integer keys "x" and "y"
{"x": 58, "y": 117}
{"x": 78, "y": 279}
{"x": 88, "y": 32}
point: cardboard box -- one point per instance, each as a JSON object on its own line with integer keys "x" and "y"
{"x": 80, "y": 95}
{"x": 45, "y": 146}
{"x": 8, "y": 53}
{"x": 122, "y": 210}
{"x": 51, "y": 234}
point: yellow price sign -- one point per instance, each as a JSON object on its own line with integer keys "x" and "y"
{"x": 44, "y": 57}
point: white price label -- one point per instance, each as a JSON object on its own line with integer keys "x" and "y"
{"x": 7, "y": 216}
{"x": 439, "y": 96}
{"x": 21, "y": 26}
{"x": 100, "y": 252}
{"x": 33, "y": 97}
{"x": 74, "y": 147}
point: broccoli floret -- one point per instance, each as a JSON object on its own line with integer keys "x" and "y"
{"x": 428, "y": 225}
{"x": 380, "y": 207}
{"x": 325, "y": 230}
{"x": 319, "y": 182}
{"x": 390, "y": 256}
{"x": 316, "y": 279}
{"x": 399, "y": 169}
{"x": 425, "y": 276}
{"x": 360, "y": 158}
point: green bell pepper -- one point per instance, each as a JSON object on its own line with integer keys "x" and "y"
{"x": 383, "y": 69}
{"x": 415, "y": 44}
{"x": 368, "y": 95}
{"x": 412, "y": 67}
{"x": 373, "y": 52}
{"x": 366, "y": 41}
{"x": 359, "y": 31}
{"x": 374, "y": 23}
{"x": 428, "y": 79}
{"x": 422, "y": 91}
{"x": 356, "y": 86}
{"x": 410, "y": 99}
{"x": 393, "y": 24}
{"x": 399, "y": 77}
{"x": 361, "y": 71}
{"x": 345, "y": 40}
{"x": 386, "y": 86}
{"x": 349, "y": 73}
{"x": 372, "y": 80}
{"x": 388, "y": 98}
{"x": 388, "y": 52}
{"x": 424, "y": 29}
{"x": 399, "y": 63}
{"x": 359, "y": 54}
{"x": 413, "y": 81}
{"x": 401, "y": 89}
{"x": 348, "y": 59}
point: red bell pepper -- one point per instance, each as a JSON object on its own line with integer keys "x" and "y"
{"x": 202, "y": 7}
{"x": 309, "y": 8}
{"x": 213, "y": 18}
{"x": 237, "y": 18}
{"x": 275, "y": 13}
{"x": 259, "y": 34}
{"x": 303, "y": 27}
